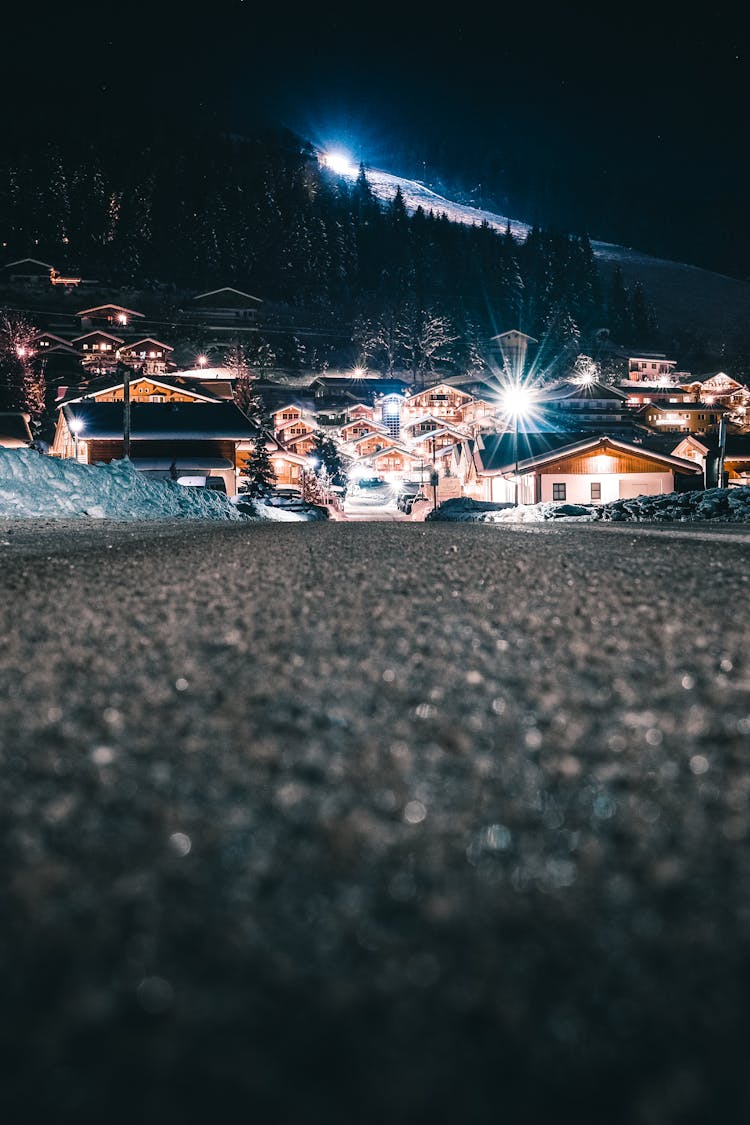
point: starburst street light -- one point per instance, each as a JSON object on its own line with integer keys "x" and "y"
{"x": 76, "y": 426}
{"x": 202, "y": 360}
{"x": 516, "y": 399}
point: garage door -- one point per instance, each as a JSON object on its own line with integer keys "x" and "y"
{"x": 631, "y": 488}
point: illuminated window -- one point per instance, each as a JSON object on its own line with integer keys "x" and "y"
{"x": 558, "y": 491}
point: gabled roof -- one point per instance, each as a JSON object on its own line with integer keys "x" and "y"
{"x": 147, "y": 340}
{"x": 43, "y": 266}
{"x": 367, "y": 437}
{"x": 101, "y": 308}
{"x": 587, "y": 391}
{"x": 496, "y": 453}
{"x": 436, "y": 387}
{"x": 674, "y": 407}
{"x": 161, "y": 421}
{"x": 228, "y": 294}
{"x": 105, "y": 384}
{"x": 514, "y": 334}
{"x": 440, "y": 423}
{"x": 388, "y": 449}
{"x": 98, "y": 332}
{"x": 51, "y": 336}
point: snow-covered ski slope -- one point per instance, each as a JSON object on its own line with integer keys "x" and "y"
{"x": 685, "y": 296}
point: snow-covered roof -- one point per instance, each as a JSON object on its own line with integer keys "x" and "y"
{"x": 105, "y": 385}
{"x": 44, "y": 266}
{"x": 232, "y": 300}
{"x": 147, "y": 340}
{"x": 199, "y": 421}
{"x": 102, "y": 308}
{"x": 98, "y": 332}
{"x": 497, "y": 452}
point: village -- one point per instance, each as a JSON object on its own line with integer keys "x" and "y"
{"x": 506, "y": 435}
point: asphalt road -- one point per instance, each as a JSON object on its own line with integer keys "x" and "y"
{"x": 345, "y": 824}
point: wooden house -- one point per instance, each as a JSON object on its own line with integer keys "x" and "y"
{"x": 188, "y": 438}
{"x": 567, "y": 468}
{"x": 143, "y": 388}
{"x": 98, "y": 349}
{"x": 29, "y": 273}
{"x": 226, "y": 306}
{"x": 442, "y": 401}
{"x": 651, "y": 367}
{"x": 104, "y": 316}
{"x": 358, "y": 428}
{"x": 370, "y": 442}
{"x": 682, "y": 417}
{"x": 393, "y": 461}
{"x": 149, "y": 354}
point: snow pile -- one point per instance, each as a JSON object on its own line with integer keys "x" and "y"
{"x": 34, "y": 486}
{"x": 462, "y": 509}
{"x": 726, "y": 505}
{"x": 258, "y": 509}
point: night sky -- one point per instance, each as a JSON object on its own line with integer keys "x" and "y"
{"x": 630, "y": 124}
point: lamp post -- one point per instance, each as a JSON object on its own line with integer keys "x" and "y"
{"x": 76, "y": 425}
{"x": 516, "y": 400}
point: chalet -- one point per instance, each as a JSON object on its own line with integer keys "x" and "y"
{"x": 98, "y": 348}
{"x": 586, "y": 406}
{"x": 421, "y": 427}
{"x": 371, "y": 442}
{"x": 644, "y": 393}
{"x": 292, "y": 420}
{"x": 720, "y": 388}
{"x": 28, "y": 272}
{"x": 149, "y": 354}
{"x": 43, "y": 341}
{"x": 143, "y": 388}
{"x": 442, "y": 401}
{"x": 188, "y": 438}
{"x": 433, "y": 442}
{"x": 358, "y": 428}
{"x": 684, "y": 417}
{"x": 513, "y": 347}
{"x": 570, "y": 468}
{"x": 113, "y": 315}
{"x": 14, "y": 429}
{"x": 392, "y": 461}
{"x": 228, "y": 306}
{"x": 651, "y": 367}
{"x": 303, "y": 443}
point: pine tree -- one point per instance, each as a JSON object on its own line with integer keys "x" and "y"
{"x": 259, "y": 471}
{"x": 331, "y": 461}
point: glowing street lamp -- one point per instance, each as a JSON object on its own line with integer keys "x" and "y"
{"x": 516, "y": 401}
{"x": 202, "y": 360}
{"x": 76, "y": 426}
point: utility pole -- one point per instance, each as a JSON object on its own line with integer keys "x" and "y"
{"x": 722, "y": 452}
{"x": 434, "y": 475}
{"x": 125, "y": 411}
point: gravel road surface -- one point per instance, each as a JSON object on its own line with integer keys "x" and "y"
{"x": 346, "y": 824}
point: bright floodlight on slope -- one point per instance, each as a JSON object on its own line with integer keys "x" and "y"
{"x": 339, "y": 163}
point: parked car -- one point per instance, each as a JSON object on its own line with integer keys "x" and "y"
{"x": 214, "y": 484}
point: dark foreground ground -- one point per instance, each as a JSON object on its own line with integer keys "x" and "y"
{"x": 353, "y": 824}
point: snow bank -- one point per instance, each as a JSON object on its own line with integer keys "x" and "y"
{"x": 34, "y": 486}
{"x": 726, "y": 505}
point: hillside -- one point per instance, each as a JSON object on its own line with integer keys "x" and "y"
{"x": 709, "y": 304}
